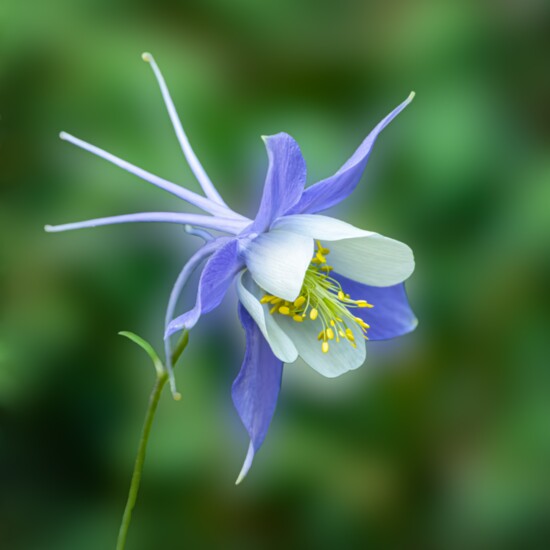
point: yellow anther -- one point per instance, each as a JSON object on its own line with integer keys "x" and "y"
{"x": 341, "y": 295}
{"x": 313, "y": 314}
{"x": 273, "y": 310}
{"x": 330, "y": 334}
{"x": 267, "y": 298}
{"x": 284, "y": 310}
{"x": 332, "y": 323}
{"x": 349, "y": 335}
{"x": 321, "y": 335}
{"x": 327, "y": 268}
{"x": 320, "y": 258}
{"x": 325, "y": 347}
{"x": 300, "y": 301}
{"x": 298, "y": 318}
{"x": 276, "y": 300}
{"x": 363, "y": 303}
{"x": 322, "y": 249}
{"x": 361, "y": 323}
{"x": 342, "y": 334}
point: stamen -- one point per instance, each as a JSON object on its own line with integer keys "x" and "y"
{"x": 321, "y": 258}
{"x": 322, "y": 299}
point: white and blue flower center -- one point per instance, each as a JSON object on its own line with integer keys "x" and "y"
{"x": 322, "y": 300}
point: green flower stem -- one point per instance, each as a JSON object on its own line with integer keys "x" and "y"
{"x": 160, "y": 381}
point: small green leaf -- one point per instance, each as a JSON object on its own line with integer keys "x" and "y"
{"x": 148, "y": 348}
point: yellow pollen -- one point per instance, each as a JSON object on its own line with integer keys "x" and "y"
{"x": 325, "y": 347}
{"x": 298, "y": 318}
{"x": 363, "y": 303}
{"x": 320, "y": 257}
{"x": 284, "y": 310}
{"x": 322, "y": 249}
{"x": 273, "y": 310}
{"x": 300, "y": 301}
{"x": 321, "y": 335}
{"x": 361, "y": 323}
{"x": 341, "y": 295}
{"x": 349, "y": 335}
{"x": 267, "y": 298}
{"x": 313, "y": 314}
{"x": 330, "y": 334}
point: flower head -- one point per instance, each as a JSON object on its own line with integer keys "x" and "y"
{"x": 309, "y": 286}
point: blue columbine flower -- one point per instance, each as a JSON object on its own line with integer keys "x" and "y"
{"x": 309, "y": 286}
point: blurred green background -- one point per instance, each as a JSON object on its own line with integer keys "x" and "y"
{"x": 442, "y": 440}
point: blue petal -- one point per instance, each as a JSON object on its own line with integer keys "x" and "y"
{"x": 256, "y": 388}
{"x": 336, "y": 188}
{"x": 216, "y": 277}
{"x": 391, "y": 315}
{"x": 285, "y": 180}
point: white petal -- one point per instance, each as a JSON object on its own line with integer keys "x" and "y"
{"x": 250, "y": 294}
{"x": 319, "y": 227}
{"x": 341, "y": 357}
{"x": 278, "y": 261}
{"x": 364, "y": 256}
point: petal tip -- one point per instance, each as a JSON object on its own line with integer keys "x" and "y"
{"x": 242, "y": 475}
{"x": 246, "y": 465}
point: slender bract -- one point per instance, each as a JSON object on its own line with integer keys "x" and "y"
{"x": 309, "y": 285}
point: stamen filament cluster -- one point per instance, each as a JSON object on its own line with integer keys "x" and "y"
{"x": 322, "y": 299}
